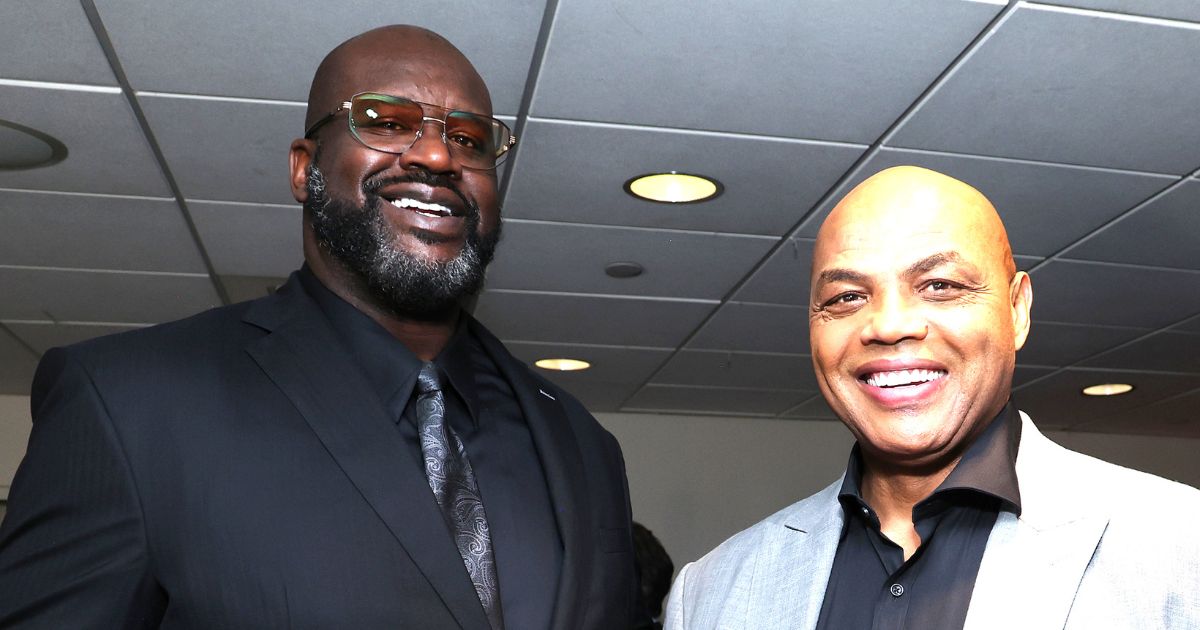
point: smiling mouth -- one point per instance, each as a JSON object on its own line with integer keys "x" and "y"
{"x": 901, "y": 378}
{"x": 435, "y": 210}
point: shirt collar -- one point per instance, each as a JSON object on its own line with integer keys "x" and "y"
{"x": 391, "y": 368}
{"x": 989, "y": 466}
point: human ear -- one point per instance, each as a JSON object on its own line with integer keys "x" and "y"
{"x": 1020, "y": 295}
{"x": 299, "y": 158}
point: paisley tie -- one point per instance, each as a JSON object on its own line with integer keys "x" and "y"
{"x": 454, "y": 487}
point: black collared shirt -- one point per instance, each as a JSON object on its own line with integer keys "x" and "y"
{"x": 482, "y": 408}
{"x": 871, "y": 585}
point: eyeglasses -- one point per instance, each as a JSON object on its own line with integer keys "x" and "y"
{"x": 392, "y": 124}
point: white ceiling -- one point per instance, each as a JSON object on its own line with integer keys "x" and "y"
{"x": 1078, "y": 118}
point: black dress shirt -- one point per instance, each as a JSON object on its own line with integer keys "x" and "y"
{"x": 872, "y": 586}
{"x": 482, "y": 408}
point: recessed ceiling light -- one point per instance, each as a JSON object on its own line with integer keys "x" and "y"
{"x": 623, "y": 269}
{"x": 24, "y": 148}
{"x": 1107, "y": 389}
{"x": 674, "y": 187}
{"x": 563, "y": 365}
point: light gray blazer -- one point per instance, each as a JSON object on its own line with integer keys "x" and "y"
{"x": 1097, "y": 547}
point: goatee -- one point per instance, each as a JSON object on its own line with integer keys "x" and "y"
{"x": 400, "y": 282}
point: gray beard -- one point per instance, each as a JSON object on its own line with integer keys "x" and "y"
{"x": 405, "y": 285}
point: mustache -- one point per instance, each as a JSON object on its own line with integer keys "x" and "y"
{"x": 376, "y": 183}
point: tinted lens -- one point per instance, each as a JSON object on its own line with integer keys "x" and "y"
{"x": 390, "y": 123}
{"x": 474, "y": 139}
{"x": 385, "y": 122}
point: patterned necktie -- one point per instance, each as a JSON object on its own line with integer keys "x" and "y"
{"x": 453, "y": 484}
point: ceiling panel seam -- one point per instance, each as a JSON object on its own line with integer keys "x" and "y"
{"x": 1113, "y": 15}
{"x": 710, "y": 133}
{"x": 21, "y": 342}
{"x": 793, "y": 233}
{"x": 608, "y": 296}
{"x": 642, "y": 228}
{"x": 110, "y": 53}
{"x": 1025, "y": 161}
{"x": 1089, "y": 357}
{"x": 1178, "y": 183}
{"x": 531, "y": 79}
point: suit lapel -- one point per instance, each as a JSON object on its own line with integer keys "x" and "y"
{"x": 1039, "y": 558}
{"x": 303, "y": 358}
{"x": 793, "y": 571}
{"x": 562, "y": 463}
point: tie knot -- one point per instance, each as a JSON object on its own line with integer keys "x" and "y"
{"x": 428, "y": 380}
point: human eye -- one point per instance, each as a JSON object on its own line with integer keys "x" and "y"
{"x": 940, "y": 289}
{"x": 466, "y": 141}
{"x": 844, "y": 303}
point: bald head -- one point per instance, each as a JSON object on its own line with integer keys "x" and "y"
{"x": 903, "y": 198}
{"x": 418, "y": 54}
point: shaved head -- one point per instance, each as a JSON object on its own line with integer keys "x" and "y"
{"x": 917, "y": 312}
{"x": 906, "y": 194}
{"x": 424, "y": 55}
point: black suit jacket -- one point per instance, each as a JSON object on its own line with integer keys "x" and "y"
{"x": 235, "y": 470}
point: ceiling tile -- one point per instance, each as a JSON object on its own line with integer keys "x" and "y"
{"x": 251, "y": 239}
{"x": 1164, "y": 351}
{"x": 738, "y": 369}
{"x": 1163, "y": 233}
{"x": 269, "y": 49}
{"x": 1175, "y": 417}
{"x": 706, "y": 400}
{"x": 1117, "y": 295}
{"x": 1044, "y": 207}
{"x": 1024, "y": 373}
{"x": 51, "y": 40}
{"x": 1171, "y": 9}
{"x": 1114, "y": 93}
{"x": 828, "y": 70}
{"x": 106, "y": 151}
{"x": 1058, "y": 401}
{"x": 569, "y": 257}
{"x": 784, "y": 278}
{"x": 242, "y": 288}
{"x": 17, "y": 365}
{"x": 87, "y": 296}
{"x": 228, "y": 151}
{"x": 1063, "y": 344}
{"x": 814, "y": 408}
{"x": 566, "y": 318}
{"x": 98, "y": 232}
{"x": 1190, "y": 325}
{"x": 745, "y": 327}
{"x": 42, "y": 336}
{"x": 576, "y": 172}
{"x": 610, "y": 364}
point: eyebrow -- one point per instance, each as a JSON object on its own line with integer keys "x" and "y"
{"x": 925, "y": 265}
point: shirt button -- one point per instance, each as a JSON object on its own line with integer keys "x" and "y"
{"x": 897, "y": 590}
{"x": 866, "y": 511}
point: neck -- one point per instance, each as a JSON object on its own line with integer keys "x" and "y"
{"x": 893, "y": 493}
{"x": 425, "y": 338}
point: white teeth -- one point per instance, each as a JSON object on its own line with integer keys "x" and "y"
{"x": 427, "y": 209}
{"x": 903, "y": 377}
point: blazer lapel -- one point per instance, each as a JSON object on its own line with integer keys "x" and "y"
{"x": 793, "y": 572}
{"x": 303, "y": 358}
{"x": 1039, "y": 558}
{"x": 562, "y": 463}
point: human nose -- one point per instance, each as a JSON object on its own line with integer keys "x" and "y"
{"x": 892, "y": 318}
{"x": 429, "y": 149}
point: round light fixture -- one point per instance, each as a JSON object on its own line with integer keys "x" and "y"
{"x": 562, "y": 365}
{"x": 674, "y": 187}
{"x": 1107, "y": 389}
{"x": 23, "y": 148}
{"x": 623, "y": 270}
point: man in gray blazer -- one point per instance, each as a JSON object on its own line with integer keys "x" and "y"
{"x": 954, "y": 511}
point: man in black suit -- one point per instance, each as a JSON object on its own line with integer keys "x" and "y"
{"x": 354, "y": 451}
